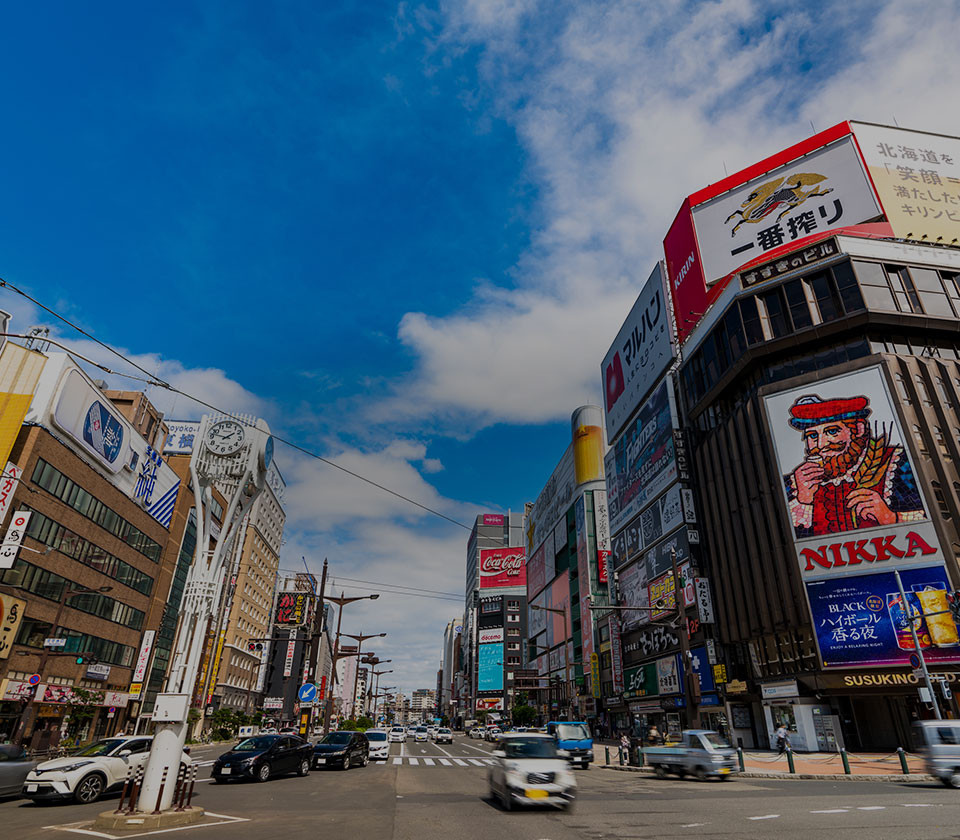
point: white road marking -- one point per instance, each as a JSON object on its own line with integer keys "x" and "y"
{"x": 490, "y": 761}
{"x": 872, "y": 808}
{"x": 475, "y": 761}
{"x": 692, "y": 825}
{"x": 445, "y": 762}
{"x": 832, "y": 811}
{"x": 765, "y": 817}
{"x": 414, "y": 761}
{"x": 461, "y": 762}
{"x": 403, "y": 748}
{"x": 916, "y": 805}
{"x": 442, "y": 749}
{"x": 397, "y": 760}
{"x": 429, "y": 762}
{"x": 424, "y": 752}
{"x": 478, "y": 749}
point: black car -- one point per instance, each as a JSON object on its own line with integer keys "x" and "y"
{"x": 343, "y": 750}
{"x": 263, "y": 756}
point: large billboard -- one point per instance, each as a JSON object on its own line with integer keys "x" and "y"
{"x": 501, "y": 567}
{"x": 640, "y": 353}
{"x": 552, "y": 503}
{"x": 490, "y": 667}
{"x": 642, "y": 463}
{"x": 917, "y": 177}
{"x": 846, "y": 470}
{"x": 20, "y": 371}
{"x": 670, "y": 511}
{"x": 860, "y": 621}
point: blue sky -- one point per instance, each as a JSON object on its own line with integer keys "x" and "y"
{"x": 404, "y": 233}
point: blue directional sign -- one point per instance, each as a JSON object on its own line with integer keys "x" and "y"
{"x": 307, "y": 693}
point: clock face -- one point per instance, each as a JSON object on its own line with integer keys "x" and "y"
{"x": 268, "y": 453}
{"x": 225, "y": 437}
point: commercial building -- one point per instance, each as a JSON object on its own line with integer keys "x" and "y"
{"x": 423, "y": 704}
{"x": 449, "y": 665}
{"x": 567, "y": 542}
{"x": 490, "y": 531}
{"x": 95, "y": 502}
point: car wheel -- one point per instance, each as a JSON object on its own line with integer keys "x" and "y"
{"x": 506, "y": 800}
{"x": 570, "y": 806}
{"x": 954, "y": 779}
{"x": 89, "y": 789}
{"x": 366, "y": 760}
{"x": 263, "y": 773}
{"x": 700, "y": 774}
{"x": 304, "y": 768}
{"x": 346, "y": 763}
{"x": 660, "y": 772}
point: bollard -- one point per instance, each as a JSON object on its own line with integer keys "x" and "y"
{"x": 620, "y": 755}
{"x": 123, "y": 793}
{"x": 740, "y": 759}
{"x": 903, "y": 760}
{"x": 845, "y": 760}
{"x": 193, "y": 779}
{"x": 163, "y": 784}
{"x": 180, "y": 793}
{"x": 640, "y": 755}
{"x": 135, "y": 791}
{"x": 606, "y": 752}
{"x": 790, "y": 760}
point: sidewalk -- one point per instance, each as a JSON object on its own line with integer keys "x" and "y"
{"x": 767, "y": 764}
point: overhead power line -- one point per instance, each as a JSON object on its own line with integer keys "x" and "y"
{"x": 160, "y": 383}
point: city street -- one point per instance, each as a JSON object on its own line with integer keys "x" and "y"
{"x": 433, "y": 791}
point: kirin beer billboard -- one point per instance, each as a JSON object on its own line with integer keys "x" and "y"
{"x": 503, "y": 567}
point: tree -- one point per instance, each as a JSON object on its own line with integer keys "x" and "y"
{"x": 224, "y": 723}
{"x": 349, "y": 724}
{"x": 364, "y": 722}
{"x": 481, "y": 716}
{"x": 524, "y": 715}
{"x": 83, "y": 706}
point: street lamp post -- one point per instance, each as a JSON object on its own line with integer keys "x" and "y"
{"x": 360, "y": 638}
{"x": 377, "y": 689}
{"x": 341, "y": 602}
{"x": 566, "y": 648}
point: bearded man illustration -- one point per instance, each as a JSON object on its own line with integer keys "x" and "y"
{"x": 851, "y": 476}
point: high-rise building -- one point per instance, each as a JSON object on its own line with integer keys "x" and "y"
{"x": 423, "y": 703}
{"x": 449, "y": 665}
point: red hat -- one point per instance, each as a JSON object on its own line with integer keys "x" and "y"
{"x": 811, "y": 410}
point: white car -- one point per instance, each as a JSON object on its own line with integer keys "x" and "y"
{"x": 85, "y": 775}
{"x": 421, "y": 734}
{"x": 398, "y": 735}
{"x": 475, "y": 732}
{"x": 443, "y": 736}
{"x": 529, "y": 770}
{"x": 379, "y": 744}
{"x": 492, "y": 733}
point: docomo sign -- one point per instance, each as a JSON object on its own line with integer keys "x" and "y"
{"x": 490, "y": 636}
{"x": 502, "y": 567}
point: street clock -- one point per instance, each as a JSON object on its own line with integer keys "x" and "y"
{"x": 225, "y": 437}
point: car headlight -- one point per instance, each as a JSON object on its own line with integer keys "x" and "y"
{"x": 70, "y": 767}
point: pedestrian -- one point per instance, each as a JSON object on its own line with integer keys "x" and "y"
{"x": 653, "y": 735}
{"x": 783, "y": 739}
{"x": 624, "y": 746}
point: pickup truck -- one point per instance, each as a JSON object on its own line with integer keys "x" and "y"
{"x": 574, "y": 738}
{"x": 700, "y": 752}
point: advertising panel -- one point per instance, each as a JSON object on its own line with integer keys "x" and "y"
{"x": 490, "y": 704}
{"x": 634, "y": 591}
{"x": 668, "y": 675}
{"x": 181, "y": 435}
{"x": 8, "y": 486}
{"x": 11, "y": 614}
{"x": 502, "y": 567}
{"x": 665, "y": 515}
{"x": 860, "y": 621}
{"x": 490, "y": 667}
{"x": 663, "y": 599}
{"x": 536, "y": 571}
{"x": 601, "y": 523}
{"x": 558, "y": 597}
{"x": 659, "y": 559}
{"x": 641, "y": 465}
{"x": 143, "y": 657}
{"x": 20, "y": 371}
{"x": 640, "y": 353}
{"x": 493, "y": 519}
{"x": 688, "y": 287}
{"x": 850, "y": 490}
{"x": 700, "y": 665}
{"x": 583, "y": 567}
{"x": 13, "y": 539}
{"x": 640, "y": 681}
{"x": 827, "y": 188}
{"x": 291, "y": 649}
{"x": 616, "y": 653}
{"x": 537, "y": 619}
{"x": 292, "y": 607}
{"x": 917, "y": 177}
{"x": 552, "y": 503}
{"x": 704, "y": 600}
{"x": 490, "y": 636}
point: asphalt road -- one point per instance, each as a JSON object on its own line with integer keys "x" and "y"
{"x": 426, "y": 791}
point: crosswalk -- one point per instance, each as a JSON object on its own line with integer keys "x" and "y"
{"x": 436, "y": 761}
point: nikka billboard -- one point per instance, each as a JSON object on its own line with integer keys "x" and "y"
{"x": 503, "y": 567}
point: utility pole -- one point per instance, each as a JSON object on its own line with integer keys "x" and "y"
{"x": 341, "y": 602}
{"x": 916, "y": 645}
{"x": 693, "y": 697}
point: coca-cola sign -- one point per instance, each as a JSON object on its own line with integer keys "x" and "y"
{"x": 502, "y": 567}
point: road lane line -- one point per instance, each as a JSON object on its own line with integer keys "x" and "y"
{"x": 832, "y": 811}
{"x": 442, "y": 750}
{"x": 490, "y": 761}
{"x": 765, "y": 817}
{"x": 429, "y": 762}
{"x": 397, "y": 759}
{"x": 475, "y": 761}
{"x": 872, "y": 808}
{"x": 461, "y": 762}
{"x": 692, "y": 825}
{"x": 445, "y": 762}
{"x": 478, "y": 749}
{"x": 916, "y": 805}
{"x": 414, "y": 761}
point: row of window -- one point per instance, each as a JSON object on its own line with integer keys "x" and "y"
{"x": 899, "y": 288}
{"x": 69, "y": 492}
{"x": 43, "y": 529}
{"x": 33, "y": 632}
{"x": 48, "y": 585}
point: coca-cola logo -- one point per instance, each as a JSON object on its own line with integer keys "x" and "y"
{"x": 495, "y": 564}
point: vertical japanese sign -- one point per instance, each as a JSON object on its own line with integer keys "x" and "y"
{"x": 143, "y": 662}
{"x": 11, "y": 614}
{"x": 583, "y": 567}
{"x": 13, "y": 539}
{"x": 292, "y": 607}
{"x": 616, "y": 653}
{"x": 917, "y": 176}
{"x": 8, "y": 486}
{"x": 20, "y": 371}
{"x": 601, "y": 520}
{"x": 704, "y": 600}
{"x": 291, "y": 648}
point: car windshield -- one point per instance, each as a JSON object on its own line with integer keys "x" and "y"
{"x": 422, "y": 729}
{"x": 716, "y": 741}
{"x": 337, "y": 738}
{"x": 445, "y": 732}
{"x": 376, "y": 736}
{"x": 529, "y": 748}
{"x": 398, "y": 729}
{"x": 261, "y": 742}
{"x": 101, "y": 747}
{"x": 572, "y": 732}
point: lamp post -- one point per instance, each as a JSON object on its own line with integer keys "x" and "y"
{"x": 341, "y": 602}
{"x": 360, "y": 638}
{"x": 377, "y": 689}
{"x": 566, "y": 648}
{"x": 28, "y": 716}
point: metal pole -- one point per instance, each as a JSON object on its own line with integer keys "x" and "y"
{"x": 688, "y": 675}
{"x": 566, "y": 658}
{"x": 333, "y": 676}
{"x": 356, "y": 679}
{"x": 916, "y": 644}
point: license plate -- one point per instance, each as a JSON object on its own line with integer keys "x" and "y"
{"x": 537, "y": 794}
{"x": 31, "y": 788}
{"x": 724, "y": 771}
{"x": 321, "y": 761}
{"x": 224, "y": 771}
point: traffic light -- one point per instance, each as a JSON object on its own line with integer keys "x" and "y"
{"x": 80, "y": 660}
{"x": 255, "y": 647}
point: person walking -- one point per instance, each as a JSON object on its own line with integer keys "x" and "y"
{"x": 783, "y": 739}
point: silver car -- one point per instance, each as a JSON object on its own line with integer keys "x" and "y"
{"x": 940, "y": 748}
{"x": 14, "y": 767}
{"x": 528, "y": 769}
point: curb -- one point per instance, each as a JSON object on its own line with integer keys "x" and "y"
{"x": 829, "y": 777}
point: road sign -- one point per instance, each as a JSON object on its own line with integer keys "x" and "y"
{"x": 54, "y": 643}
{"x": 914, "y": 660}
{"x": 34, "y": 679}
{"x": 13, "y": 538}
{"x": 307, "y": 693}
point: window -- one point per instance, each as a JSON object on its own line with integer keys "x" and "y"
{"x": 797, "y": 304}
{"x": 493, "y": 605}
{"x": 777, "y": 316}
{"x": 941, "y": 442}
{"x": 904, "y": 290}
{"x": 873, "y": 283}
{"x": 826, "y": 296}
{"x": 513, "y": 660}
{"x": 922, "y": 389}
{"x": 931, "y": 292}
{"x": 941, "y": 499}
{"x": 918, "y": 437}
{"x": 513, "y": 605}
{"x": 752, "y": 326}
{"x": 513, "y": 631}
{"x": 513, "y": 618}
{"x": 847, "y": 287}
{"x": 513, "y": 646}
